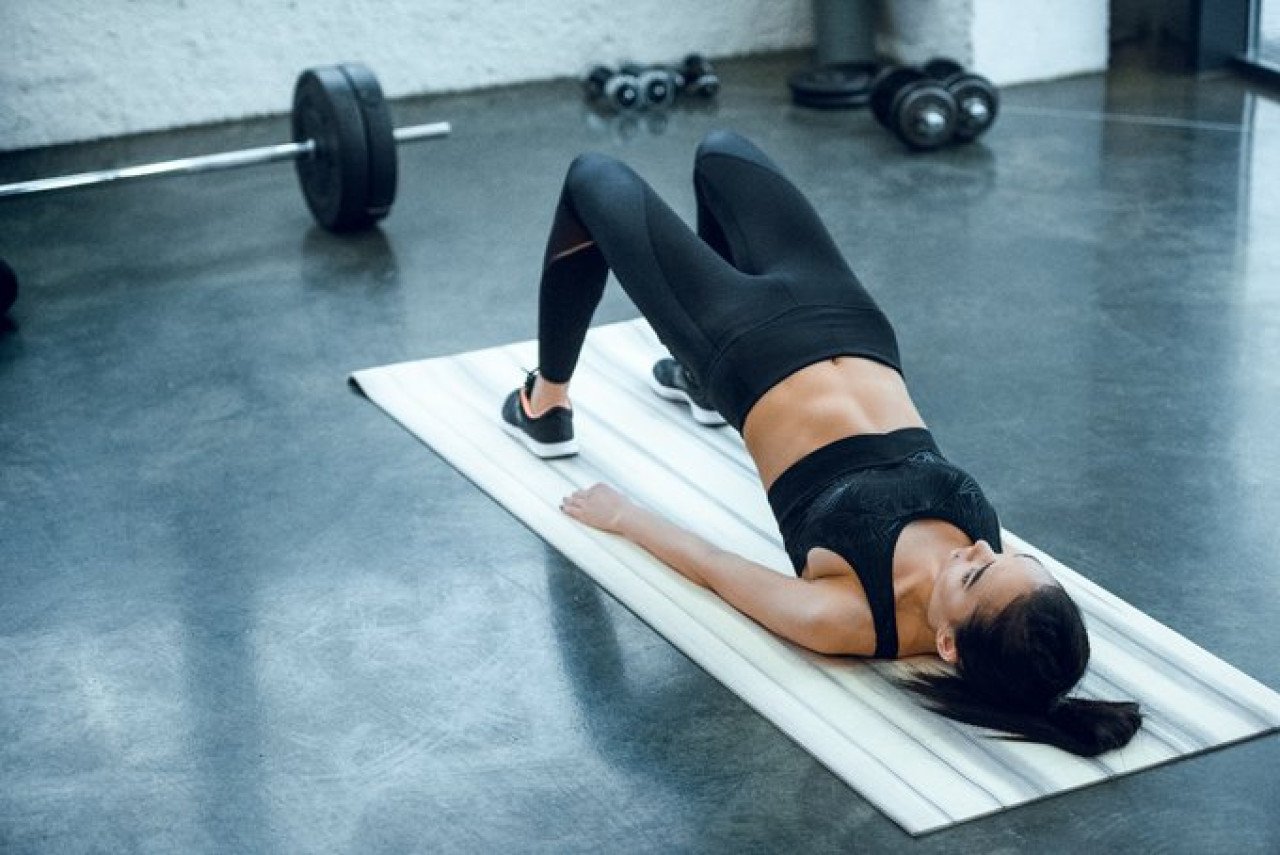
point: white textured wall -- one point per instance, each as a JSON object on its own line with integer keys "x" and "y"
{"x": 1020, "y": 40}
{"x": 912, "y": 31}
{"x": 1007, "y": 41}
{"x": 74, "y": 70}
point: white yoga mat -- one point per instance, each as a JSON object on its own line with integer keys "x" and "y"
{"x": 921, "y": 769}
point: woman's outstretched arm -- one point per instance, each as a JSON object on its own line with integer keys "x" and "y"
{"x": 823, "y": 615}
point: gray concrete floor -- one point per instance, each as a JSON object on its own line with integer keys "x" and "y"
{"x": 242, "y": 611}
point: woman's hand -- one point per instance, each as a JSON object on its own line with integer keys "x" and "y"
{"x": 599, "y": 506}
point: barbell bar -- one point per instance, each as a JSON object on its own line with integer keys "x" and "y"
{"x": 344, "y": 146}
{"x": 203, "y": 163}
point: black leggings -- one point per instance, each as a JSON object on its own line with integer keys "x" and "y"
{"x": 758, "y": 293}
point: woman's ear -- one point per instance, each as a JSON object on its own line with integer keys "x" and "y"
{"x": 946, "y": 642}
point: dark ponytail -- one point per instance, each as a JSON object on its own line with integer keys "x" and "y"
{"x": 1091, "y": 727}
{"x": 1013, "y": 673}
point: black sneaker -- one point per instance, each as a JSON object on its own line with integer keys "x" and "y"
{"x": 670, "y": 380}
{"x": 549, "y": 435}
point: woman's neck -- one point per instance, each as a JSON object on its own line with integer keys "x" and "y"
{"x": 918, "y": 559}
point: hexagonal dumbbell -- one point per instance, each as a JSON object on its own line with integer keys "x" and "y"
{"x": 658, "y": 85}
{"x": 697, "y": 77}
{"x": 618, "y": 90}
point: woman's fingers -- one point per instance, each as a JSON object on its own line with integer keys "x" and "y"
{"x": 599, "y": 506}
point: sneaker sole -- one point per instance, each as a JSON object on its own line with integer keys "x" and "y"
{"x": 545, "y": 450}
{"x": 701, "y": 415}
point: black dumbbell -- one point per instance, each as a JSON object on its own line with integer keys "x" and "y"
{"x": 619, "y": 90}
{"x": 915, "y": 107}
{"x": 977, "y": 99}
{"x": 697, "y": 77}
{"x": 8, "y": 287}
{"x": 657, "y": 84}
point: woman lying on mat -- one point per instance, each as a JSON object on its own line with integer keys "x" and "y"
{"x": 897, "y": 551}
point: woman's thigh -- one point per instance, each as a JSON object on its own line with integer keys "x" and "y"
{"x": 693, "y": 298}
{"x": 754, "y": 214}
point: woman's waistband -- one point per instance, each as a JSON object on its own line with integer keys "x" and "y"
{"x": 813, "y": 472}
{"x": 754, "y": 361}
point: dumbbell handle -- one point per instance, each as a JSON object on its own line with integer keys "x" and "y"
{"x": 204, "y": 162}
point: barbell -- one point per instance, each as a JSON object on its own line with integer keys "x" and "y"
{"x": 344, "y": 148}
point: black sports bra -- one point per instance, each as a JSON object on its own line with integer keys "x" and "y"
{"x": 856, "y": 495}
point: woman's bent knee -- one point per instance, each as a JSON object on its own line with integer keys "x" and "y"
{"x": 601, "y": 189}
{"x": 592, "y": 170}
{"x": 722, "y": 141}
{"x": 731, "y": 144}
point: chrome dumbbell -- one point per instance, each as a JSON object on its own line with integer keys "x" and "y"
{"x": 977, "y": 99}
{"x": 619, "y": 90}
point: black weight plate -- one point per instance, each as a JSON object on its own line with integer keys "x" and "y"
{"x": 943, "y": 68}
{"x": 915, "y": 102}
{"x": 830, "y": 102}
{"x": 335, "y": 178}
{"x": 379, "y": 137}
{"x": 8, "y": 287}
{"x": 970, "y": 87}
{"x": 834, "y": 86}
{"x": 884, "y": 89}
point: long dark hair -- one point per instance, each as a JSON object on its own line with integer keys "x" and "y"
{"x": 1013, "y": 671}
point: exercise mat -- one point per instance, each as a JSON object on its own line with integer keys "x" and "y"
{"x": 922, "y": 770}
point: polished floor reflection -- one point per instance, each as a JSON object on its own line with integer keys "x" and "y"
{"x": 241, "y": 611}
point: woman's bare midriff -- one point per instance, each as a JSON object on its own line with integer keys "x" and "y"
{"x": 821, "y": 403}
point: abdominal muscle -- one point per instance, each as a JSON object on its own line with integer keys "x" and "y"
{"x": 821, "y": 403}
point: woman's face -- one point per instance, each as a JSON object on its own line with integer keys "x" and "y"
{"x": 977, "y": 578}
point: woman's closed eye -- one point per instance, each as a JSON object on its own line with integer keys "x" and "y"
{"x": 971, "y": 578}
